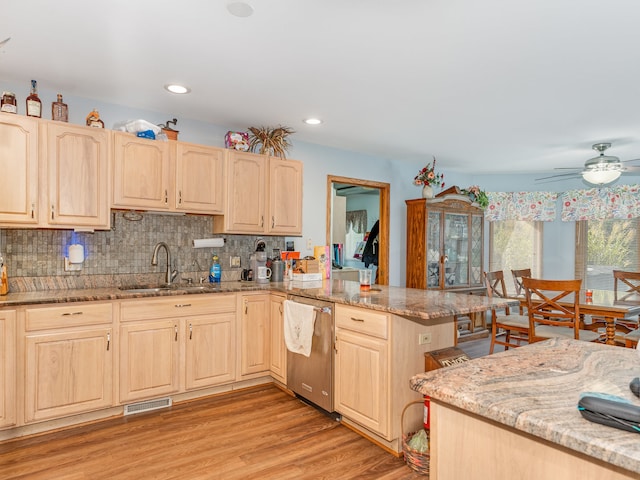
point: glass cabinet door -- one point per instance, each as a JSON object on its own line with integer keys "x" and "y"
{"x": 456, "y": 250}
{"x": 433, "y": 249}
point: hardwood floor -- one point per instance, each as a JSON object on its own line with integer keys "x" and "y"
{"x": 260, "y": 433}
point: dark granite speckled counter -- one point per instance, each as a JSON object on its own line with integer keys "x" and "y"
{"x": 409, "y": 302}
{"x": 535, "y": 389}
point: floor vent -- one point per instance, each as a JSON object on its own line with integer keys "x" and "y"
{"x": 147, "y": 406}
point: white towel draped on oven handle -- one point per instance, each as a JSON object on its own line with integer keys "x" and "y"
{"x": 299, "y": 323}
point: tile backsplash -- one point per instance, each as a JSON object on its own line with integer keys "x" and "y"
{"x": 128, "y": 247}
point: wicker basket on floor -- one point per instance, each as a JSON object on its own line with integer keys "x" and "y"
{"x": 416, "y": 460}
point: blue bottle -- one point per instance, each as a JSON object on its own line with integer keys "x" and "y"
{"x": 215, "y": 273}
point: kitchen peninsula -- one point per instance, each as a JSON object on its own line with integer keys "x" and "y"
{"x": 235, "y": 324}
{"x": 515, "y": 415}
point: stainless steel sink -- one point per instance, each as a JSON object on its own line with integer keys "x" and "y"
{"x": 145, "y": 288}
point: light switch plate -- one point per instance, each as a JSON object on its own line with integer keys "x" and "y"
{"x": 234, "y": 262}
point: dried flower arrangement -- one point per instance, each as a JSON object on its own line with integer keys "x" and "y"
{"x": 272, "y": 141}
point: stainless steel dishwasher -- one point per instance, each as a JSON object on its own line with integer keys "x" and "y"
{"x": 312, "y": 377}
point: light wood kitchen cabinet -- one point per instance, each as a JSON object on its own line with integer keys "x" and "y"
{"x": 68, "y": 360}
{"x": 57, "y": 174}
{"x": 149, "y": 359}
{"x": 19, "y": 167}
{"x": 77, "y": 162}
{"x": 210, "y": 353}
{"x": 8, "y": 387}
{"x": 255, "y": 333}
{"x": 278, "y": 349}
{"x": 376, "y": 354}
{"x": 257, "y": 203}
{"x": 167, "y": 176}
{"x": 362, "y": 368}
{"x": 156, "y": 333}
{"x": 199, "y": 178}
{"x": 141, "y": 173}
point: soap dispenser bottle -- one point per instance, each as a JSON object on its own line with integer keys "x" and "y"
{"x": 215, "y": 273}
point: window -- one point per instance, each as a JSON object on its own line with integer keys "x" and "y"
{"x": 515, "y": 245}
{"x": 603, "y": 246}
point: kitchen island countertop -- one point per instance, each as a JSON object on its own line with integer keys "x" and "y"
{"x": 410, "y": 302}
{"x": 535, "y": 389}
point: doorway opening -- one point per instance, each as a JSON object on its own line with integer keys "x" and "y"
{"x": 368, "y": 203}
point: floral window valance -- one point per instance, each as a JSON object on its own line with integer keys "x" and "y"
{"x": 528, "y": 206}
{"x": 619, "y": 202}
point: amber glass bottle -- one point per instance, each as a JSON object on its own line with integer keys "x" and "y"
{"x": 34, "y": 105}
{"x": 59, "y": 110}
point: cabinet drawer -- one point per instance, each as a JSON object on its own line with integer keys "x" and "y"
{"x": 178, "y": 306}
{"x": 363, "y": 321}
{"x": 68, "y": 315}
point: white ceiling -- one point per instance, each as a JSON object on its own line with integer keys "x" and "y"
{"x": 485, "y": 86}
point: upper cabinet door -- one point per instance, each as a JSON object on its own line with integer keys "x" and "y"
{"x": 245, "y": 209}
{"x": 199, "y": 179}
{"x": 141, "y": 176}
{"x": 78, "y": 176}
{"x": 285, "y": 197}
{"x": 19, "y": 169}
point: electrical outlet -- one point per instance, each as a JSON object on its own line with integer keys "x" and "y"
{"x": 424, "y": 338}
{"x": 309, "y": 244}
{"x": 234, "y": 262}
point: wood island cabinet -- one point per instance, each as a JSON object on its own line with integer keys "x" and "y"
{"x": 376, "y": 354}
{"x": 68, "y": 360}
{"x": 444, "y": 243}
{"x": 257, "y": 203}
{"x": 278, "y": 350}
{"x": 156, "y": 333}
{"x": 8, "y": 386}
{"x": 255, "y": 333}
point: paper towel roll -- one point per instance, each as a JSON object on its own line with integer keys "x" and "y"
{"x": 76, "y": 253}
{"x": 208, "y": 242}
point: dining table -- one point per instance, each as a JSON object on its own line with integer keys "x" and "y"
{"x": 605, "y": 304}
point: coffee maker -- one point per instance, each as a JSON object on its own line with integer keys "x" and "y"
{"x": 259, "y": 259}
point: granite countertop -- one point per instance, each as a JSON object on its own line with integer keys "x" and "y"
{"x": 409, "y": 302}
{"x": 536, "y": 388}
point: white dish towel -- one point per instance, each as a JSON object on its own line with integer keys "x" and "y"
{"x": 299, "y": 322}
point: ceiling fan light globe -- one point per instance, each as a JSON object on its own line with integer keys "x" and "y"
{"x": 601, "y": 177}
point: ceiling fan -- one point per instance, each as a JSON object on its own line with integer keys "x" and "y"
{"x": 600, "y": 170}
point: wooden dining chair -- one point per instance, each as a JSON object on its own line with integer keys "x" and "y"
{"x": 554, "y": 310}
{"x": 514, "y": 326}
{"x": 628, "y": 280}
{"x": 518, "y": 275}
{"x": 631, "y": 339}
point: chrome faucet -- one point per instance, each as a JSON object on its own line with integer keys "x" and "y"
{"x": 154, "y": 261}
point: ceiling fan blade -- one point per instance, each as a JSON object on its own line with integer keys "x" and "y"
{"x": 573, "y": 174}
{"x": 631, "y": 169}
{"x": 633, "y": 160}
{"x": 568, "y": 168}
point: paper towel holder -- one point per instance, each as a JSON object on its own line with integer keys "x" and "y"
{"x": 73, "y": 262}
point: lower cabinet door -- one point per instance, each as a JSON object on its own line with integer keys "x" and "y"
{"x": 8, "y": 368}
{"x": 210, "y": 350}
{"x": 149, "y": 359}
{"x": 68, "y": 373}
{"x": 361, "y": 380}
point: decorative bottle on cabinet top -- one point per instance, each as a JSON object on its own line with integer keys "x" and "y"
{"x": 59, "y": 110}
{"x": 34, "y": 105}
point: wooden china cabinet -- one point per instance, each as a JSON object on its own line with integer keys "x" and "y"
{"x": 444, "y": 249}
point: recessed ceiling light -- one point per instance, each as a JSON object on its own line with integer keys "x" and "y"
{"x": 175, "y": 88}
{"x": 312, "y": 121}
{"x": 240, "y": 9}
